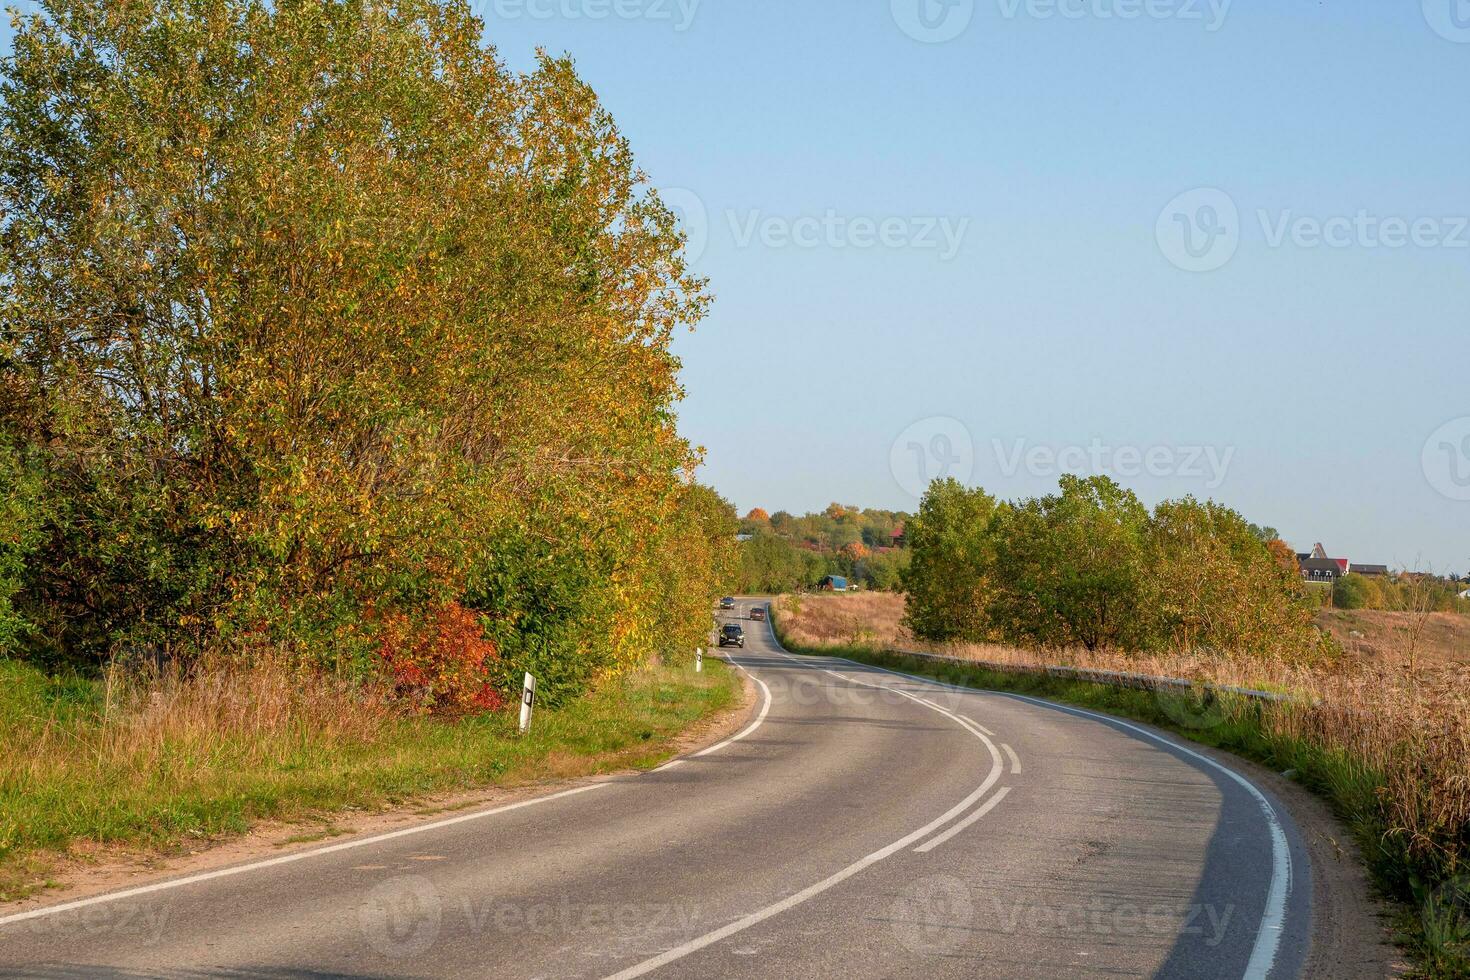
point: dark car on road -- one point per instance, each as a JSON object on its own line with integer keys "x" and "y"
{"x": 728, "y": 602}
{"x": 759, "y": 612}
{"x": 732, "y": 634}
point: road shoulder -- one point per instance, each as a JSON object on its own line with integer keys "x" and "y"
{"x": 95, "y": 870}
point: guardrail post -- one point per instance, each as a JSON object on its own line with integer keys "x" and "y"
{"x": 528, "y": 699}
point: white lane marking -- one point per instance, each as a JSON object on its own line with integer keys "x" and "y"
{"x": 289, "y": 858}
{"x": 1015, "y": 761}
{"x": 1273, "y": 918}
{"x": 759, "y": 718}
{"x": 978, "y": 725}
{"x": 791, "y": 901}
{"x": 980, "y": 811}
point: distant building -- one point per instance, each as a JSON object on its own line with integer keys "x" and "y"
{"x": 1317, "y": 567}
{"x": 897, "y": 537}
{"x": 1321, "y": 569}
{"x": 832, "y": 583}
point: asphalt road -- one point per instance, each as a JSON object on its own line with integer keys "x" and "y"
{"x": 863, "y": 824}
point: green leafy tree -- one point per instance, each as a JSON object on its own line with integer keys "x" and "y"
{"x": 1215, "y": 583}
{"x": 949, "y": 578}
{"x": 1069, "y": 567}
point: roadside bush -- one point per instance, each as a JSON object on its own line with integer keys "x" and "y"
{"x": 442, "y": 663}
{"x": 1350, "y": 592}
{"x": 1213, "y": 585}
{"x": 23, "y": 513}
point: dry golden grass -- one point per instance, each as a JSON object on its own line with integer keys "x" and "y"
{"x": 1393, "y": 638}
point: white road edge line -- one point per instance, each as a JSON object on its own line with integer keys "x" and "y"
{"x": 288, "y": 858}
{"x": 759, "y": 719}
{"x": 1015, "y": 760}
{"x": 980, "y": 811}
{"x": 1273, "y": 918}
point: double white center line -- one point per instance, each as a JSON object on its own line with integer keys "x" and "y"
{"x": 791, "y": 901}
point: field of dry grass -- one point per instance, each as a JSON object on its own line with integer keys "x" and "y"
{"x": 1396, "y": 639}
{"x": 1392, "y": 717}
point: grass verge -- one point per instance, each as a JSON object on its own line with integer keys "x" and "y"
{"x": 202, "y": 758}
{"x": 1433, "y": 918}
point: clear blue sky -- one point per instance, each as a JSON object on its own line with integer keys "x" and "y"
{"x": 1319, "y": 372}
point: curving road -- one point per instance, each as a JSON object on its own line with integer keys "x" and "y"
{"x": 863, "y": 824}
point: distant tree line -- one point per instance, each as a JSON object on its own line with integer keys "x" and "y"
{"x": 1400, "y": 593}
{"x": 323, "y": 332}
{"x": 786, "y": 553}
{"x": 1091, "y": 566}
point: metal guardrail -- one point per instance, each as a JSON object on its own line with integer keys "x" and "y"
{"x": 1145, "y": 682}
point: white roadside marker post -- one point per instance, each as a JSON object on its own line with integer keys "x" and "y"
{"x": 528, "y": 698}
{"x": 698, "y": 659}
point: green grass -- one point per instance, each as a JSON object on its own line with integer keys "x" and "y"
{"x": 1433, "y": 930}
{"x": 65, "y": 787}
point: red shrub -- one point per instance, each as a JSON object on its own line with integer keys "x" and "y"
{"x": 443, "y": 660}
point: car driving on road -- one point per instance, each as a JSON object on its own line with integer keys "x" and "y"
{"x": 728, "y": 602}
{"x": 732, "y": 634}
{"x": 758, "y": 613}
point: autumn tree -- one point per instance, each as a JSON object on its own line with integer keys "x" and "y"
{"x": 311, "y": 309}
